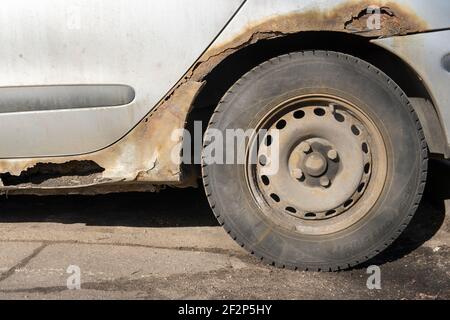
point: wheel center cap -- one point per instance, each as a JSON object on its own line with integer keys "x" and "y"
{"x": 315, "y": 164}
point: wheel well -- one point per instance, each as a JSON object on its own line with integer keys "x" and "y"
{"x": 224, "y": 75}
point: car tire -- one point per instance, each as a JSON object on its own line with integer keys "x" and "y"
{"x": 340, "y": 205}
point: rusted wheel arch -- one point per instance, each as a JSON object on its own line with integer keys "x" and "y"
{"x": 221, "y": 76}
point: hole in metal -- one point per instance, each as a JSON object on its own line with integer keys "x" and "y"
{"x": 330, "y": 213}
{"x": 291, "y": 210}
{"x": 85, "y": 171}
{"x": 269, "y": 140}
{"x": 281, "y": 124}
{"x": 348, "y": 203}
{"x": 275, "y": 197}
{"x": 265, "y": 180}
{"x": 355, "y": 130}
{"x": 365, "y": 148}
{"x": 319, "y": 112}
{"x": 361, "y": 187}
{"x": 339, "y": 117}
{"x": 299, "y": 114}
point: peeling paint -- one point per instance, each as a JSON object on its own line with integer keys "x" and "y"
{"x": 348, "y": 17}
{"x": 143, "y": 156}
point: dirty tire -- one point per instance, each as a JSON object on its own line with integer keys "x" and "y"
{"x": 385, "y": 104}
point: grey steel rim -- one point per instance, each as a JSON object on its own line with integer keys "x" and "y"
{"x": 325, "y": 164}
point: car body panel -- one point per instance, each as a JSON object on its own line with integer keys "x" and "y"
{"x": 425, "y": 53}
{"x": 148, "y": 155}
{"x": 320, "y": 15}
{"x": 147, "y": 45}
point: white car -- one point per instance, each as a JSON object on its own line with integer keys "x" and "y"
{"x": 339, "y": 104}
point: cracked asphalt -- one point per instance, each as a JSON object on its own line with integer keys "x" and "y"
{"x": 169, "y": 246}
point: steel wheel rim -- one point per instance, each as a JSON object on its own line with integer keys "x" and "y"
{"x": 332, "y": 157}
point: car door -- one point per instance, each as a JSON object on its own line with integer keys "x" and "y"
{"x": 77, "y": 75}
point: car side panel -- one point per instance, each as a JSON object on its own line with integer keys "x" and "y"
{"x": 146, "y": 155}
{"x": 425, "y": 53}
{"x": 144, "y": 45}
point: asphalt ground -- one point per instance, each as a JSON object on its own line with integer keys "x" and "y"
{"x": 168, "y": 245}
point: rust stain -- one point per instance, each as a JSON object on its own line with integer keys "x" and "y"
{"x": 143, "y": 157}
{"x": 349, "y": 17}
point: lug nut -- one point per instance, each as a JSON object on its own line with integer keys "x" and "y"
{"x": 325, "y": 182}
{"x": 297, "y": 174}
{"x": 332, "y": 154}
{"x": 305, "y": 147}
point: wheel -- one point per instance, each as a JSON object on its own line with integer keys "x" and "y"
{"x": 334, "y": 165}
